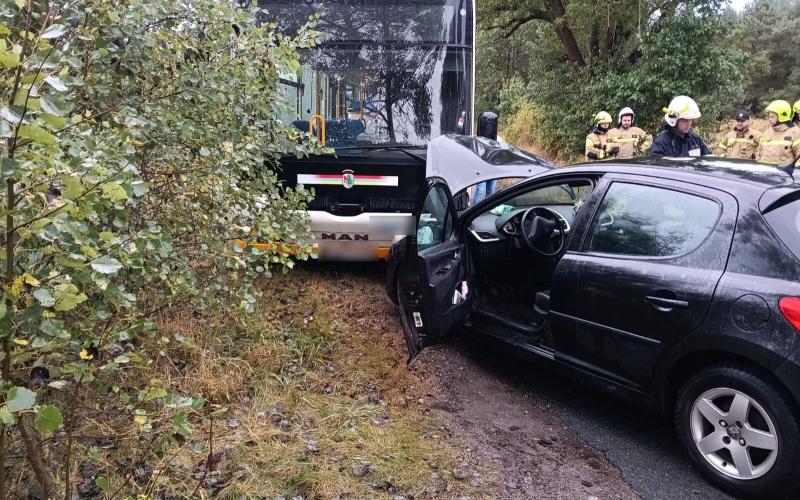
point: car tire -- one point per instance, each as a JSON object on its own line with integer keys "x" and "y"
{"x": 748, "y": 406}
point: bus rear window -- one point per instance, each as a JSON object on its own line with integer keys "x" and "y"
{"x": 785, "y": 222}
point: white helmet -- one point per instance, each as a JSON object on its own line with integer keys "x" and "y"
{"x": 626, "y": 111}
{"x": 681, "y": 107}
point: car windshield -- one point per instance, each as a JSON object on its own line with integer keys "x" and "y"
{"x": 562, "y": 194}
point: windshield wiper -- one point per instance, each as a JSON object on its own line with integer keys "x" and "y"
{"x": 402, "y": 149}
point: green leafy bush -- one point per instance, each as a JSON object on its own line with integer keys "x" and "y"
{"x": 139, "y": 145}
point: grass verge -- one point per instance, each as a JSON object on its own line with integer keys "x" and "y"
{"x": 315, "y": 399}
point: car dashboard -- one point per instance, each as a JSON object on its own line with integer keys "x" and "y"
{"x": 492, "y": 228}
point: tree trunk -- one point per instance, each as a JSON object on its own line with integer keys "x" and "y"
{"x": 610, "y": 41}
{"x": 35, "y": 452}
{"x": 557, "y": 11}
{"x": 595, "y": 41}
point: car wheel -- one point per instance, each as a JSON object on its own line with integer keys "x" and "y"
{"x": 740, "y": 430}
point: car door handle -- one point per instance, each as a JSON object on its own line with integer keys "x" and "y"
{"x": 663, "y": 304}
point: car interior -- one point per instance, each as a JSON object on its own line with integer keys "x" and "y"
{"x": 515, "y": 247}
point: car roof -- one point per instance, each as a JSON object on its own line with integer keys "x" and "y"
{"x": 698, "y": 169}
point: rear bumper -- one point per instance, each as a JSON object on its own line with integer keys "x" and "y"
{"x": 360, "y": 237}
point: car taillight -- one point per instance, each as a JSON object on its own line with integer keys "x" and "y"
{"x": 790, "y": 307}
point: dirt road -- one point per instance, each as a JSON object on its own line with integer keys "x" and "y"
{"x": 531, "y": 451}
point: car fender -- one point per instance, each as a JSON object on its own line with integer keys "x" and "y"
{"x": 701, "y": 349}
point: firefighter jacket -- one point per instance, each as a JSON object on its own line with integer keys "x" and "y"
{"x": 669, "y": 143}
{"x": 599, "y": 146}
{"x": 779, "y": 143}
{"x": 631, "y": 141}
{"x": 740, "y": 144}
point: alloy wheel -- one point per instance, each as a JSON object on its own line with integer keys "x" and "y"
{"x": 734, "y": 433}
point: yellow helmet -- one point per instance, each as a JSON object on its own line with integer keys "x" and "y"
{"x": 781, "y": 108}
{"x": 603, "y": 117}
{"x": 796, "y": 108}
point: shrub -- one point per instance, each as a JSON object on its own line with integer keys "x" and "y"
{"x": 122, "y": 202}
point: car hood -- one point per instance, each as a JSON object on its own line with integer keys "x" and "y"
{"x": 463, "y": 161}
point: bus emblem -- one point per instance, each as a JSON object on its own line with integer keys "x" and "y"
{"x": 348, "y": 180}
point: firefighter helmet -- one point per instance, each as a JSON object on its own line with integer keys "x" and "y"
{"x": 681, "y": 107}
{"x": 626, "y": 112}
{"x": 781, "y": 108}
{"x": 602, "y": 117}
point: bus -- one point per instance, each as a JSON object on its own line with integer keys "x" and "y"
{"x": 390, "y": 76}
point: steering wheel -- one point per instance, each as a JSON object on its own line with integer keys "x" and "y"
{"x": 538, "y": 225}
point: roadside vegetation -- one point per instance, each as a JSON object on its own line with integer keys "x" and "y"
{"x": 120, "y": 212}
{"x": 549, "y": 67}
{"x": 311, "y": 398}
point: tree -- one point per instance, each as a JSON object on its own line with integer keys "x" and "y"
{"x": 768, "y": 31}
{"x": 140, "y": 144}
{"x": 509, "y": 16}
{"x": 637, "y": 53}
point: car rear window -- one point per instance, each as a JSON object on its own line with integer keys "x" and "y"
{"x": 785, "y": 222}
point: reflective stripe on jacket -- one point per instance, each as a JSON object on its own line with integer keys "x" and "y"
{"x": 740, "y": 144}
{"x": 779, "y": 144}
{"x": 631, "y": 141}
{"x": 597, "y": 146}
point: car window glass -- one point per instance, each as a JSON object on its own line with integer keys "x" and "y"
{"x": 650, "y": 221}
{"x": 785, "y": 221}
{"x": 434, "y": 225}
{"x": 562, "y": 194}
{"x": 566, "y": 199}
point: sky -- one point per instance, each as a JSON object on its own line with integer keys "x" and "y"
{"x": 739, "y": 4}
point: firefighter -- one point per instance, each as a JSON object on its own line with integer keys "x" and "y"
{"x": 598, "y": 144}
{"x": 796, "y": 109}
{"x": 742, "y": 141}
{"x": 631, "y": 140}
{"x": 780, "y": 142}
{"x": 677, "y": 138}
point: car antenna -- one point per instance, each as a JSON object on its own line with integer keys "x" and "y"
{"x": 788, "y": 166}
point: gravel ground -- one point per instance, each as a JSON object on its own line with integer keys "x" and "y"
{"x": 529, "y": 451}
{"x": 630, "y": 452}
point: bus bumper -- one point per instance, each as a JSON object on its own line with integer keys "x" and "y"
{"x": 363, "y": 237}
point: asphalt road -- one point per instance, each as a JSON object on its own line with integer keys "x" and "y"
{"x": 642, "y": 445}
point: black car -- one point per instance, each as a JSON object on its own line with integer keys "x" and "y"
{"x": 672, "y": 283}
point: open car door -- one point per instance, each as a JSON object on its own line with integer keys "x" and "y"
{"x": 433, "y": 288}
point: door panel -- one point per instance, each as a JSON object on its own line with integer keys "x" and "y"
{"x": 620, "y": 331}
{"x": 444, "y": 268}
{"x": 430, "y": 278}
{"x": 634, "y": 298}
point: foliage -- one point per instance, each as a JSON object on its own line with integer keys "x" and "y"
{"x": 512, "y": 97}
{"x": 498, "y": 60}
{"x": 140, "y": 144}
{"x": 524, "y": 128}
{"x": 768, "y": 31}
{"x": 638, "y": 54}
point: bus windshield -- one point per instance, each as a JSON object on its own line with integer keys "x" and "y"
{"x": 384, "y": 75}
